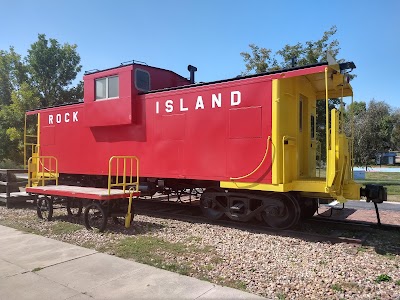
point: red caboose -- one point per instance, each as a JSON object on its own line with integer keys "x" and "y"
{"x": 250, "y": 141}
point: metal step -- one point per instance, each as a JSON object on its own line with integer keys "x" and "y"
{"x": 333, "y": 203}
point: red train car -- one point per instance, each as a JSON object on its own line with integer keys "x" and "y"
{"x": 250, "y": 140}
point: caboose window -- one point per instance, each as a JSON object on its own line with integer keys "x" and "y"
{"x": 312, "y": 127}
{"x": 142, "y": 80}
{"x": 107, "y": 88}
{"x": 101, "y": 88}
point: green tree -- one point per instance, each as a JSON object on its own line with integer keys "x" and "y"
{"x": 12, "y": 74}
{"x": 261, "y": 60}
{"x": 373, "y": 130}
{"x": 52, "y": 68}
{"x": 356, "y": 108}
{"x": 395, "y": 137}
{"x": 42, "y": 79}
{"x": 12, "y": 118}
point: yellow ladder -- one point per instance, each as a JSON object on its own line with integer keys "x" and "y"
{"x": 42, "y": 169}
{"x": 31, "y": 141}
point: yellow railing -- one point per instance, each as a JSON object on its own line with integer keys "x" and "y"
{"x": 129, "y": 180}
{"x": 130, "y": 173}
{"x": 42, "y": 169}
{"x": 327, "y": 131}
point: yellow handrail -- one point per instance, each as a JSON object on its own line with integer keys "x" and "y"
{"x": 25, "y": 136}
{"x": 352, "y": 135}
{"x": 327, "y": 125}
{"x": 128, "y": 216}
{"x": 34, "y": 146}
{"x": 115, "y": 161}
{"x": 255, "y": 170}
{"x": 38, "y": 172}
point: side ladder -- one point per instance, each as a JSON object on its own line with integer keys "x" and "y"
{"x": 31, "y": 137}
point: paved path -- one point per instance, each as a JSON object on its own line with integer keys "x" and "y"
{"x": 363, "y": 211}
{"x": 35, "y": 267}
{"x": 360, "y": 204}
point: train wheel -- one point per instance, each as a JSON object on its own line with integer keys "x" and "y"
{"x": 308, "y": 207}
{"x": 282, "y": 211}
{"x": 208, "y": 206}
{"x": 74, "y": 207}
{"x": 95, "y": 217}
{"x": 44, "y": 208}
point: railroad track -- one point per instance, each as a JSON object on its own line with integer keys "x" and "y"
{"x": 333, "y": 231}
{"x": 354, "y": 224}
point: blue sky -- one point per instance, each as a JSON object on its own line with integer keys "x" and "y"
{"x": 210, "y": 34}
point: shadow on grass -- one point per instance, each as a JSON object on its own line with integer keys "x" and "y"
{"x": 136, "y": 228}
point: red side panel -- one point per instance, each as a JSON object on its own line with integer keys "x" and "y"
{"x": 210, "y": 132}
{"x": 195, "y": 136}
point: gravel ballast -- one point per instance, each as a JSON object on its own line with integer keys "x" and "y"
{"x": 268, "y": 265}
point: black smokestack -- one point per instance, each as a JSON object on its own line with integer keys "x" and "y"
{"x": 192, "y": 69}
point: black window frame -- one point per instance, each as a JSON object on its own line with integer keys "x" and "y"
{"x": 139, "y": 88}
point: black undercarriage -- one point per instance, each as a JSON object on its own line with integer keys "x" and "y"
{"x": 277, "y": 210}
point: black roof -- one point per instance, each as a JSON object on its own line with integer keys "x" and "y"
{"x": 237, "y": 78}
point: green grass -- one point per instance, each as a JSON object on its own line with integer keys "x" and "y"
{"x": 383, "y": 176}
{"x": 336, "y": 287}
{"x": 235, "y": 284}
{"x": 152, "y": 250}
{"x": 397, "y": 282}
{"x": 281, "y": 296}
{"x": 173, "y": 257}
{"x": 37, "y": 269}
{"x": 383, "y": 278}
{"x": 390, "y": 180}
{"x": 362, "y": 249}
{"x": 65, "y": 228}
{"x": 193, "y": 239}
{"x": 18, "y": 226}
{"x": 89, "y": 245}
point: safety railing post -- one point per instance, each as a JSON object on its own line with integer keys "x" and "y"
{"x": 38, "y": 173}
{"x": 124, "y": 182}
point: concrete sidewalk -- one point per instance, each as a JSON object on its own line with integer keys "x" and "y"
{"x": 35, "y": 267}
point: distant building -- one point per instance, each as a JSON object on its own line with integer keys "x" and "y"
{"x": 388, "y": 158}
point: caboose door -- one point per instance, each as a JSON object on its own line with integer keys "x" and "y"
{"x": 303, "y": 136}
